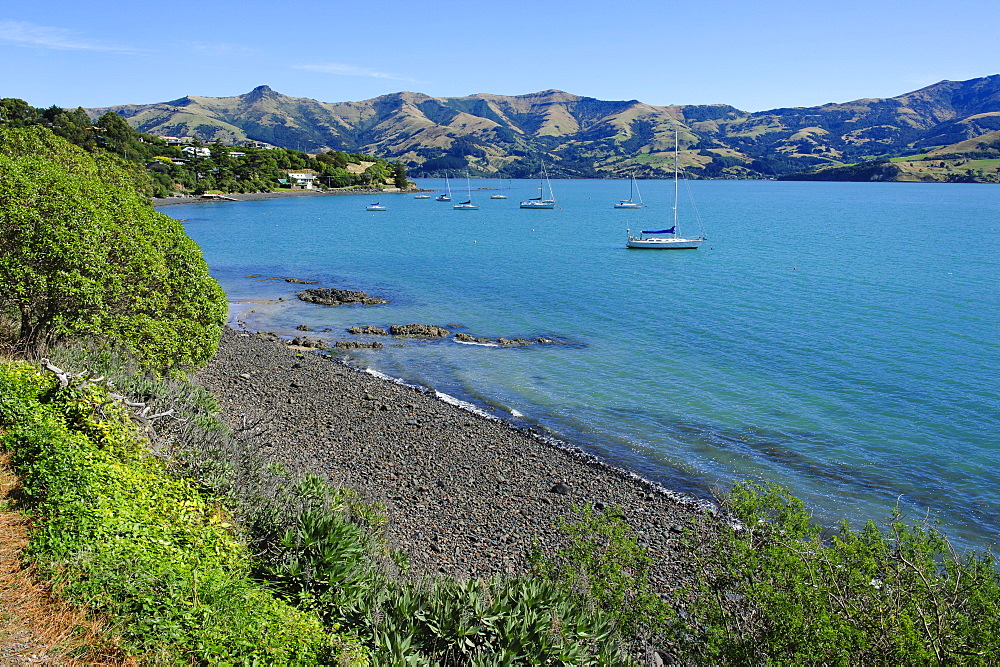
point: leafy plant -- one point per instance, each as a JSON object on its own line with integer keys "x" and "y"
{"x": 120, "y": 536}
{"x": 86, "y": 255}
{"x": 774, "y": 589}
{"x": 601, "y": 560}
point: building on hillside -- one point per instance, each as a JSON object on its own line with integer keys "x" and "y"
{"x": 302, "y": 179}
{"x": 196, "y": 151}
{"x": 177, "y": 141}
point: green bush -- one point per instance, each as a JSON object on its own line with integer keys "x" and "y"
{"x": 85, "y": 254}
{"x": 129, "y": 541}
{"x": 600, "y": 560}
{"x": 773, "y": 590}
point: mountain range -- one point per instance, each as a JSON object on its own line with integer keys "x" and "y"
{"x": 585, "y": 137}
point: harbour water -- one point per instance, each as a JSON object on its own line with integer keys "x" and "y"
{"x": 842, "y": 339}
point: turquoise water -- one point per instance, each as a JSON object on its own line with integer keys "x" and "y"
{"x": 839, "y": 338}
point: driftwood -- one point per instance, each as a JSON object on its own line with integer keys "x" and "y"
{"x": 138, "y": 411}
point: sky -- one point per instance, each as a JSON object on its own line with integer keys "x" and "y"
{"x": 754, "y": 55}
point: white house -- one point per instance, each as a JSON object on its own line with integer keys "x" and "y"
{"x": 196, "y": 151}
{"x": 303, "y": 178}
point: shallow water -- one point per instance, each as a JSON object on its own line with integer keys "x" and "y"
{"x": 840, "y": 338}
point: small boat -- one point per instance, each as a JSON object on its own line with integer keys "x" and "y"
{"x": 467, "y": 205}
{"x": 499, "y": 195}
{"x": 376, "y": 207}
{"x": 658, "y": 242}
{"x": 656, "y": 239}
{"x": 443, "y": 196}
{"x": 421, "y": 196}
{"x": 539, "y": 201}
{"x": 629, "y": 203}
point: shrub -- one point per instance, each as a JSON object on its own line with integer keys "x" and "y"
{"x": 600, "y": 560}
{"x": 774, "y": 590}
{"x": 125, "y": 539}
{"x": 85, "y": 254}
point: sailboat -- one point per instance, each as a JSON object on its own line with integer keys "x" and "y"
{"x": 500, "y": 194}
{"x": 657, "y": 239}
{"x": 443, "y": 196}
{"x": 539, "y": 201}
{"x": 467, "y": 205}
{"x": 377, "y": 206}
{"x": 628, "y": 203}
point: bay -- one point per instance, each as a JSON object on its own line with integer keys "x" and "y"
{"x": 838, "y": 338}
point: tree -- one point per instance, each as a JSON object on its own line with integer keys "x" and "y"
{"x": 83, "y": 253}
{"x": 399, "y": 175}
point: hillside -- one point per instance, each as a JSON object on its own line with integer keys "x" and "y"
{"x": 582, "y": 136}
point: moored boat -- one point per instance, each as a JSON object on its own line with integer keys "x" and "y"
{"x": 657, "y": 239}
{"x": 629, "y": 203}
{"x": 540, "y": 201}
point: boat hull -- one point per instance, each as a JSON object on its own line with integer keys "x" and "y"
{"x": 663, "y": 243}
{"x": 628, "y": 205}
{"x": 465, "y": 207}
{"x": 376, "y": 208}
{"x": 538, "y": 204}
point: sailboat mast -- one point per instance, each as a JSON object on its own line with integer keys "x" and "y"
{"x": 675, "y": 181}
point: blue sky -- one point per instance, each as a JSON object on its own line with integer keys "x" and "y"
{"x": 753, "y": 54}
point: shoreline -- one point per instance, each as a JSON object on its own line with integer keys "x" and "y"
{"x": 466, "y": 493}
{"x": 275, "y": 194}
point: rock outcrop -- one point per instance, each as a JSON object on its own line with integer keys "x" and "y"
{"x": 328, "y": 296}
{"x": 369, "y": 330}
{"x": 428, "y": 330}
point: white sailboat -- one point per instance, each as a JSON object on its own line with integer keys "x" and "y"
{"x": 443, "y": 196}
{"x": 467, "y": 205}
{"x": 633, "y": 189}
{"x": 657, "y": 239}
{"x": 376, "y": 207}
{"x": 500, "y": 194}
{"x": 540, "y": 201}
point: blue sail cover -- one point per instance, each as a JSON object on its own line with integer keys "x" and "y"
{"x": 659, "y": 231}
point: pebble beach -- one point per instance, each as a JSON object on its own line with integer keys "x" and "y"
{"x": 467, "y": 495}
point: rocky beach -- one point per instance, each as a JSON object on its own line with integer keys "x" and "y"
{"x": 467, "y": 495}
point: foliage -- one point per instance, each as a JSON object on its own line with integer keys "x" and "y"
{"x": 498, "y": 622}
{"x": 85, "y": 254}
{"x": 600, "y": 560}
{"x": 227, "y": 169}
{"x": 133, "y": 543}
{"x": 774, "y": 591}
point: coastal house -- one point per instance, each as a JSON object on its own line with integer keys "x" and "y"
{"x": 196, "y": 151}
{"x": 303, "y": 179}
{"x": 177, "y": 141}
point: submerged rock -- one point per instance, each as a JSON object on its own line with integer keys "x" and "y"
{"x": 328, "y": 296}
{"x": 303, "y": 341}
{"x": 355, "y": 344}
{"x": 514, "y": 341}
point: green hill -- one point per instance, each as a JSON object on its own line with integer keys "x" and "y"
{"x": 586, "y": 137}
